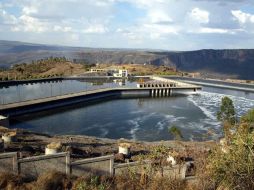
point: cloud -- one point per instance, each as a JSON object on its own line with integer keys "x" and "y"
{"x": 27, "y": 10}
{"x": 242, "y": 17}
{"x": 58, "y": 28}
{"x": 199, "y": 15}
{"x": 30, "y": 24}
{"x": 159, "y": 17}
{"x": 170, "y": 24}
{"x": 6, "y": 18}
{"x": 95, "y": 29}
{"x": 214, "y": 31}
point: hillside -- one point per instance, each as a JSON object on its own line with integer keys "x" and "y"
{"x": 45, "y": 68}
{"x": 238, "y": 63}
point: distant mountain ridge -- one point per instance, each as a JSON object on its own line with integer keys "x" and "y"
{"x": 236, "y": 62}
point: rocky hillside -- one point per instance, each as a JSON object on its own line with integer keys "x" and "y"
{"x": 238, "y": 63}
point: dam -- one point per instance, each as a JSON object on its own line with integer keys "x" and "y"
{"x": 131, "y": 114}
{"x": 157, "y": 87}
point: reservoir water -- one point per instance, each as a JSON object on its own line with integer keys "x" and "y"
{"x": 141, "y": 119}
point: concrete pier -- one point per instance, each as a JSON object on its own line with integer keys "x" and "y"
{"x": 163, "y": 87}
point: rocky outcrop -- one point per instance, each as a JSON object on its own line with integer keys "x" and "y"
{"x": 231, "y": 62}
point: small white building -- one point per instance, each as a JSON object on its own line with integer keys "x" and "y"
{"x": 112, "y": 72}
{"x": 120, "y": 73}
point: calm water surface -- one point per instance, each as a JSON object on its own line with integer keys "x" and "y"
{"x": 23, "y": 92}
{"x": 141, "y": 119}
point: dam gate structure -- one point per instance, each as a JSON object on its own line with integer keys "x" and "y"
{"x": 161, "y": 87}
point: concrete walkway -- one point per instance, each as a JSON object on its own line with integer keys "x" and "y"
{"x": 83, "y": 93}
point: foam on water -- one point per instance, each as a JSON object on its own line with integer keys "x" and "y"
{"x": 135, "y": 127}
{"x": 209, "y": 103}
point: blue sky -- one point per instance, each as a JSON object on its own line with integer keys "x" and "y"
{"x": 151, "y": 24}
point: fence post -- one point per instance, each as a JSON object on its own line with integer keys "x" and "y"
{"x": 183, "y": 170}
{"x": 15, "y": 163}
{"x": 68, "y": 164}
{"x": 111, "y": 169}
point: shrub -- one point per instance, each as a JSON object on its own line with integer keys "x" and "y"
{"x": 235, "y": 169}
{"x": 52, "y": 181}
{"x": 93, "y": 183}
{"x": 10, "y": 181}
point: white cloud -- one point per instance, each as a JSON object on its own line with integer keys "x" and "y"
{"x": 58, "y": 28}
{"x": 159, "y": 17}
{"x": 145, "y": 4}
{"x": 199, "y": 15}
{"x": 161, "y": 29}
{"x": 31, "y": 24}
{"x": 27, "y": 10}
{"x": 95, "y": 29}
{"x": 214, "y": 31}
{"x": 6, "y": 18}
{"x": 242, "y": 17}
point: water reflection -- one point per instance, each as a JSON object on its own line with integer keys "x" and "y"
{"x": 29, "y": 91}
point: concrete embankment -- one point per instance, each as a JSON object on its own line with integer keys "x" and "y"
{"x": 31, "y": 106}
{"x": 26, "y": 107}
{"x": 160, "y": 89}
{"x": 30, "y": 81}
{"x": 217, "y": 84}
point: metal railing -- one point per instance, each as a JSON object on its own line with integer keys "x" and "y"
{"x": 52, "y": 91}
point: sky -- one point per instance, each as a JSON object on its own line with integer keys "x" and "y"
{"x": 147, "y": 24}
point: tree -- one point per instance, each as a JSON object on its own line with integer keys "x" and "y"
{"x": 175, "y": 132}
{"x": 227, "y": 111}
{"x": 248, "y": 120}
{"x": 227, "y": 116}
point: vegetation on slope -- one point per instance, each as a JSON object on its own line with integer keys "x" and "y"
{"x": 60, "y": 66}
{"x": 44, "y": 68}
{"x": 234, "y": 169}
{"x": 140, "y": 70}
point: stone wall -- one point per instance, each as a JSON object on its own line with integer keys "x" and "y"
{"x": 8, "y": 162}
{"x": 32, "y": 167}
{"x": 101, "y": 165}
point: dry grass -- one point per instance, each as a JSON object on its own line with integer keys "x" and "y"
{"x": 10, "y": 134}
{"x": 42, "y": 69}
{"x": 55, "y": 145}
{"x": 10, "y": 181}
{"x": 138, "y": 69}
{"x": 52, "y": 181}
{"x": 58, "y": 181}
{"x": 140, "y": 182}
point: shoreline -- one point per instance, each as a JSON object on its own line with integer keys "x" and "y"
{"x": 81, "y": 146}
